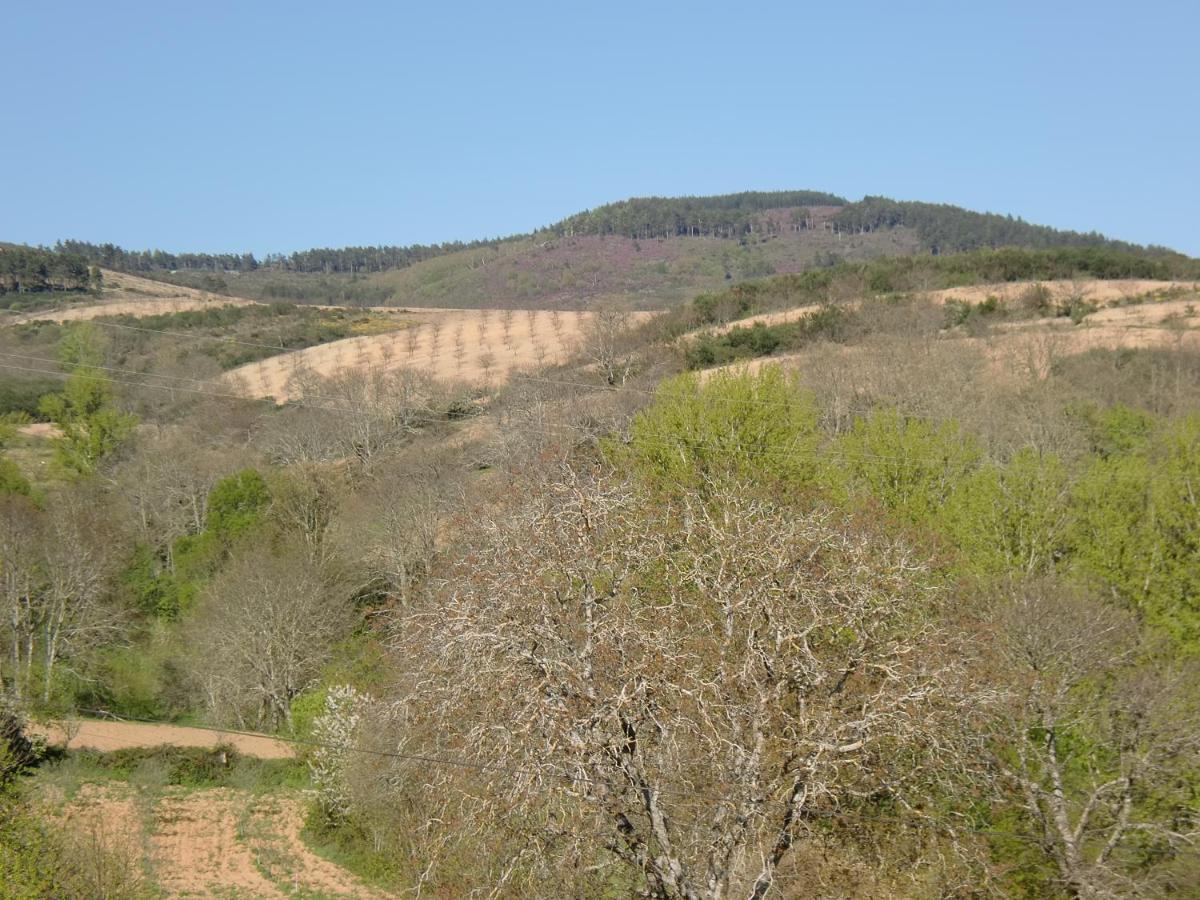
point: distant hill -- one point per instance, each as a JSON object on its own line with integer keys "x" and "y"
{"x": 946, "y": 229}
{"x": 725, "y": 215}
{"x": 652, "y": 252}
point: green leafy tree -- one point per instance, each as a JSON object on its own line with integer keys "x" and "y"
{"x": 910, "y": 466}
{"x": 236, "y": 506}
{"x": 1117, "y": 430}
{"x": 1011, "y": 518}
{"x": 1137, "y": 529}
{"x": 83, "y": 346}
{"x": 757, "y": 427}
{"x": 85, "y": 411}
{"x": 12, "y": 480}
{"x": 236, "y": 503}
{"x": 92, "y": 425}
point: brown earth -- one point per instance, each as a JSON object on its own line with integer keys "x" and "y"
{"x": 131, "y": 295}
{"x": 1096, "y": 291}
{"x": 40, "y": 430}
{"x": 208, "y": 843}
{"x": 479, "y": 347}
{"x": 1035, "y": 343}
{"x": 1093, "y": 290}
{"x": 195, "y": 850}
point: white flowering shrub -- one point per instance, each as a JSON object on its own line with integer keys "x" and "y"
{"x": 336, "y": 733}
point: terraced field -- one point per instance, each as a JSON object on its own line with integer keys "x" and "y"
{"x": 1132, "y": 319}
{"x": 218, "y": 842}
{"x": 131, "y": 295}
{"x": 479, "y": 347}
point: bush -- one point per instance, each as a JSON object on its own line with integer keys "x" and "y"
{"x": 190, "y": 767}
{"x": 12, "y": 481}
{"x": 23, "y": 395}
{"x": 829, "y": 322}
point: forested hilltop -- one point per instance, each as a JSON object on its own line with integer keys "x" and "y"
{"x": 324, "y": 260}
{"x": 941, "y": 227}
{"x": 725, "y": 216}
{"x": 945, "y": 229}
{"x": 652, "y": 252}
{"x": 878, "y": 576}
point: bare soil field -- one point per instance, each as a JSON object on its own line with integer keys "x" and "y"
{"x": 1093, "y": 290}
{"x": 40, "y": 430}
{"x": 773, "y": 318}
{"x": 130, "y": 295}
{"x": 479, "y": 347}
{"x": 1033, "y": 344}
{"x": 1178, "y": 313}
{"x": 106, "y": 736}
{"x": 218, "y": 842}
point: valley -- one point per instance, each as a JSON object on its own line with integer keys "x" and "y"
{"x": 421, "y": 591}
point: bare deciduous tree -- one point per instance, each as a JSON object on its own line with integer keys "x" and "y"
{"x": 354, "y": 414}
{"x": 20, "y": 581}
{"x": 1099, "y": 741}
{"x": 264, "y": 629}
{"x": 55, "y": 569}
{"x": 605, "y": 339}
{"x": 388, "y": 540}
{"x": 692, "y": 689}
{"x": 167, "y": 483}
{"x": 305, "y": 499}
{"x": 506, "y": 324}
{"x": 80, "y": 557}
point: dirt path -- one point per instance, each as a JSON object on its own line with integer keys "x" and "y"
{"x": 209, "y": 843}
{"x": 106, "y": 736}
{"x": 272, "y": 828}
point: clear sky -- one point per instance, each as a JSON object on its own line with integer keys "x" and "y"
{"x": 277, "y": 126}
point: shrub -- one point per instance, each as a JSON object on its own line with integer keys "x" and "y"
{"x": 12, "y": 481}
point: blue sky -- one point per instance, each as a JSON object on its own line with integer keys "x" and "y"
{"x": 279, "y": 126}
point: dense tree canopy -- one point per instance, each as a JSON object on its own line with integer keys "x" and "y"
{"x": 728, "y": 215}
{"x": 325, "y": 260}
{"x": 27, "y": 269}
{"x": 944, "y": 228}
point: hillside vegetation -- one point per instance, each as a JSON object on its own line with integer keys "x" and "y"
{"x": 947, "y": 229}
{"x": 31, "y": 277}
{"x": 875, "y": 579}
{"x": 654, "y": 252}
